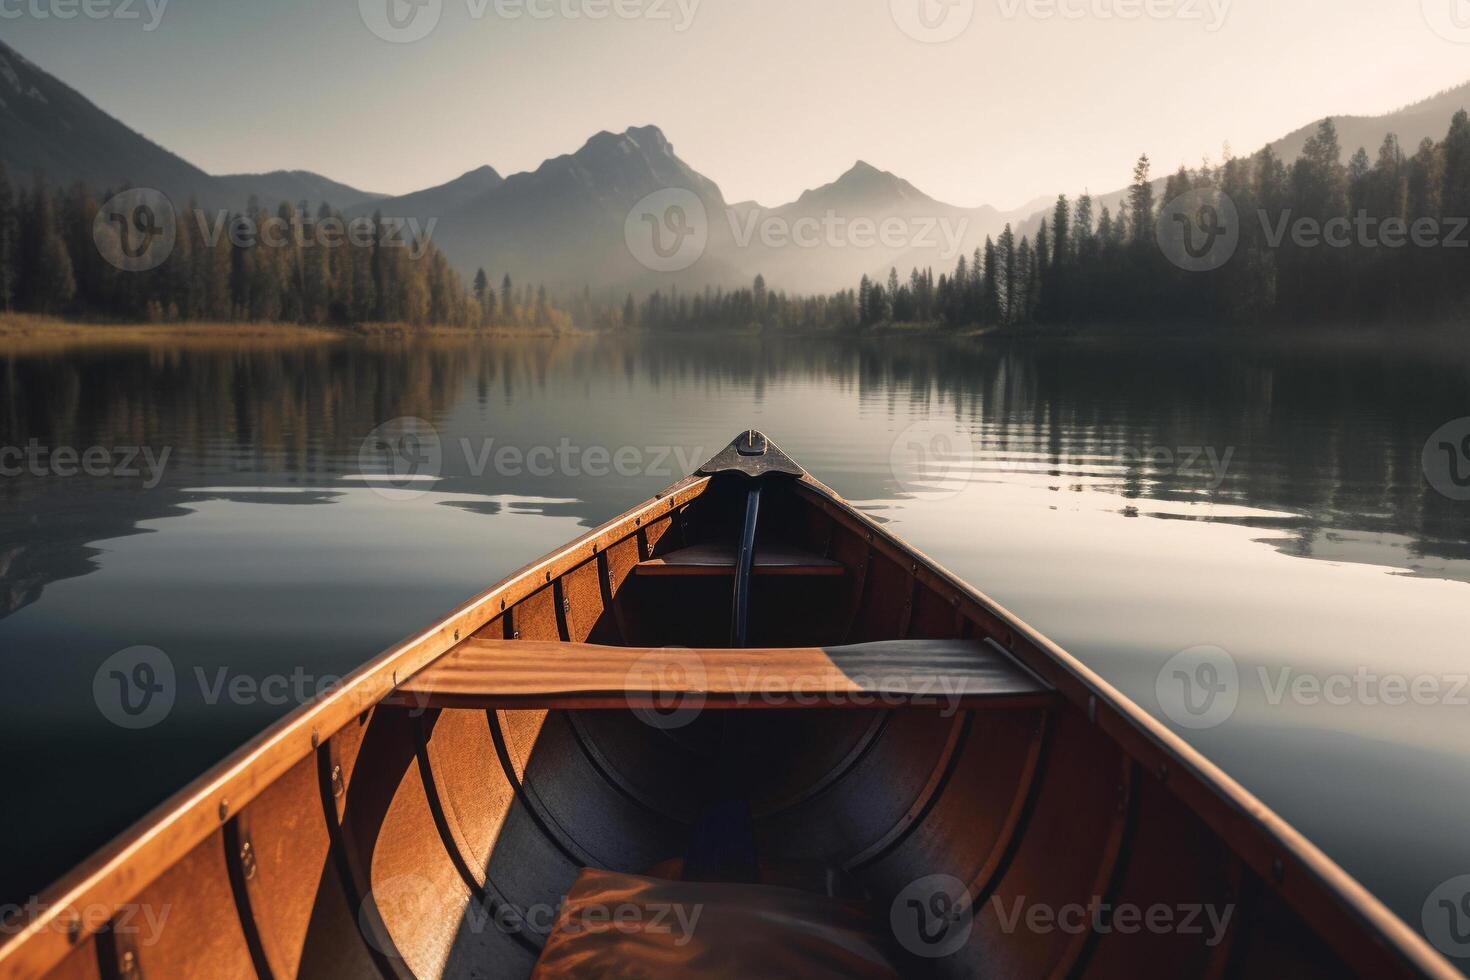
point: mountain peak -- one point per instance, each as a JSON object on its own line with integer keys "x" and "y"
{"x": 865, "y": 186}
{"x": 483, "y": 176}
{"x": 612, "y": 166}
{"x": 635, "y": 139}
{"x": 864, "y": 175}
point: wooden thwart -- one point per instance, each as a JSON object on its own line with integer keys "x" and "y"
{"x": 954, "y": 674}
{"x": 716, "y": 559}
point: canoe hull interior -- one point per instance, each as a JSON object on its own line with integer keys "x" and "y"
{"x": 423, "y": 841}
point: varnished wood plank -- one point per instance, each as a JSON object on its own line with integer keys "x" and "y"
{"x": 486, "y": 673}
{"x": 717, "y": 559}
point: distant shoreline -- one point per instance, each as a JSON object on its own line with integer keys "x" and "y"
{"x": 22, "y": 331}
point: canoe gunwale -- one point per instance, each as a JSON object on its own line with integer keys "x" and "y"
{"x": 1310, "y": 881}
{"x": 121, "y": 870}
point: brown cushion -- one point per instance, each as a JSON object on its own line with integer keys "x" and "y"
{"x": 617, "y": 925}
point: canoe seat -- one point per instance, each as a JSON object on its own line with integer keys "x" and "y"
{"x": 719, "y": 559}
{"x": 620, "y": 925}
{"x": 948, "y": 674}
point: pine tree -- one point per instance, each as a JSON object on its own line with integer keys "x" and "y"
{"x": 990, "y": 308}
{"x": 1044, "y": 267}
{"x": 1060, "y": 232}
{"x": 1424, "y": 182}
{"x": 9, "y": 244}
{"x": 878, "y": 304}
{"x": 482, "y": 287}
{"x": 47, "y": 268}
{"x": 1141, "y": 201}
{"x": 1024, "y": 282}
{"x": 507, "y": 300}
{"x": 1006, "y": 249}
{"x": 1319, "y": 177}
{"x": 543, "y": 308}
{"x": 488, "y": 307}
{"x": 1455, "y": 189}
{"x": 1082, "y": 232}
{"x": 380, "y": 284}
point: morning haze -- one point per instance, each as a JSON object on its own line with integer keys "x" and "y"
{"x": 759, "y": 95}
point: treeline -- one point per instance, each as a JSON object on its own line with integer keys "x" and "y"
{"x": 229, "y": 266}
{"x": 756, "y": 307}
{"x": 1378, "y": 239}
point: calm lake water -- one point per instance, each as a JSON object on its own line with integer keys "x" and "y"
{"x": 1131, "y": 500}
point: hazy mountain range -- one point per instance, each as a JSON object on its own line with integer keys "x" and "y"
{"x": 564, "y": 223}
{"x": 47, "y": 126}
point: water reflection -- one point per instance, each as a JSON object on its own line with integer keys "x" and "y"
{"x": 1131, "y": 500}
{"x": 1323, "y": 443}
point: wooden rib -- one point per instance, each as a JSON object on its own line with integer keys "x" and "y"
{"x": 485, "y": 891}
{"x": 609, "y": 599}
{"x": 568, "y": 848}
{"x": 236, "y": 873}
{"x": 604, "y": 767}
{"x": 488, "y": 673}
{"x": 115, "y": 875}
{"x": 859, "y": 593}
{"x": 1109, "y": 873}
{"x": 906, "y": 618}
{"x": 939, "y": 777}
{"x": 400, "y": 855}
{"x": 1244, "y": 889}
{"x": 987, "y": 878}
{"x": 584, "y": 607}
{"x": 203, "y": 935}
{"x": 332, "y": 810}
{"x": 1335, "y": 905}
{"x": 559, "y": 606}
{"x": 422, "y": 731}
{"x": 836, "y": 773}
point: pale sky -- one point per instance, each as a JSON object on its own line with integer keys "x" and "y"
{"x": 766, "y": 97}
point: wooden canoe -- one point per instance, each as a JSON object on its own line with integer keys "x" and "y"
{"x": 745, "y": 698}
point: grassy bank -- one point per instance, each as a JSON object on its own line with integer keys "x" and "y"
{"x": 21, "y": 331}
